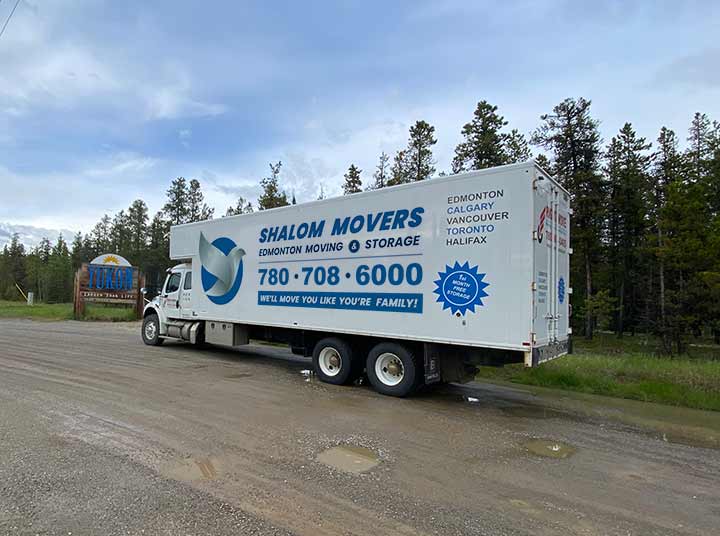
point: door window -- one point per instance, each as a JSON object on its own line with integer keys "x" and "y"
{"x": 173, "y": 283}
{"x": 188, "y": 281}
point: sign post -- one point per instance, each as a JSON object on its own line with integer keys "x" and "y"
{"x": 109, "y": 279}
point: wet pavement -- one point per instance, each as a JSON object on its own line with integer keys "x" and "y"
{"x": 101, "y": 434}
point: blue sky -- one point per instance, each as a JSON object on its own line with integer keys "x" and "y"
{"x": 105, "y": 102}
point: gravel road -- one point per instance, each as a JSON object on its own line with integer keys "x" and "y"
{"x": 100, "y": 434}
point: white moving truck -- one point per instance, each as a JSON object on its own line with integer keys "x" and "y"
{"x": 412, "y": 284}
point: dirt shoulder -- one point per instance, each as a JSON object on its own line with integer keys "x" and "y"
{"x": 248, "y": 429}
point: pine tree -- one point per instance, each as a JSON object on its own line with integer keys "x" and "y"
{"x": 14, "y": 268}
{"x": 573, "y": 138}
{"x": 381, "y": 174}
{"x": 157, "y": 260}
{"x": 89, "y": 250}
{"x": 414, "y": 163}
{"x": 712, "y": 177}
{"x": 419, "y": 158}
{"x": 353, "y": 183}
{"x": 544, "y": 162}
{"x": 687, "y": 236}
{"x": 60, "y": 274}
{"x": 483, "y": 144}
{"x": 33, "y": 269}
{"x": 272, "y": 197}
{"x": 399, "y": 171}
{"x": 666, "y": 170}
{"x": 197, "y": 208}
{"x": 516, "y": 147}
{"x": 699, "y": 145}
{"x": 137, "y": 221}
{"x": 691, "y": 248}
{"x": 101, "y": 235}
{"x": 44, "y": 249}
{"x": 177, "y": 207}
{"x": 76, "y": 252}
{"x": 5, "y": 279}
{"x": 120, "y": 234}
{"x": 628, "y": 184}
{"x": 241, "y": 207}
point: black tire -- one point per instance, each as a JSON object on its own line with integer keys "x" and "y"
{"x": 151, "y": 336}
{"x": 339, "y": 365}
{"x": 409, "y": 371}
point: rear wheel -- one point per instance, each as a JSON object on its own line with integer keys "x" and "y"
{"x": 334, "y": 362}
{"x": 151, "y": 330}
{"x": 393, "y": 369}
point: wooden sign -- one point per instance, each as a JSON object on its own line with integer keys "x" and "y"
{"x": 114, "y": 282}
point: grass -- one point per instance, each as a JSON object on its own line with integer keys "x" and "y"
{"x": 64, "y": 311}
{"x": 627, "y": 368}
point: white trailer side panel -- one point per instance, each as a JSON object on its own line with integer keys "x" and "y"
{"x": 444, "y": 260}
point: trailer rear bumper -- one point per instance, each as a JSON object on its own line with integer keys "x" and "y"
{"x": 542, "y": 354}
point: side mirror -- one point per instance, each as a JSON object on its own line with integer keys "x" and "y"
{"x": 143, "y": 291}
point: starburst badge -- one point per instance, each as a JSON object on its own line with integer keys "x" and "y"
{"x": 461, "y": 288}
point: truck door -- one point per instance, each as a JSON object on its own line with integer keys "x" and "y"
{"x": 186, "y": 296}
{"x": 171, "y": 295}
{"x": 545, "y": 280}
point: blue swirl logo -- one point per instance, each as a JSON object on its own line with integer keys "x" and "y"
{"x": 561, "y": 290}
{"x": 222, "y": 268}
{"x": 461, "y": 288}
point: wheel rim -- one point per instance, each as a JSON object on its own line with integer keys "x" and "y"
{"x": 389, "y": 369}
{"x": 150, "y": 330}
{"x": 330, "y": 361}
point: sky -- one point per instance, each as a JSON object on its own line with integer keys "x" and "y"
{"x": 104, "y": 102}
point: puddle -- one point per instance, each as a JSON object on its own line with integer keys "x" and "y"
{"x": 307, "y": 374}
{"x": 190, "y": 470}
{"x": 237, "y": 376}
{"x": 349, "y": 458}
{"x": 549, "y": 448}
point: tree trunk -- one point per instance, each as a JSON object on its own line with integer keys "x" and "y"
{"x": 588, "y": 294}
{"x": 663, "y": 320}
{"x": 621, "y": 308}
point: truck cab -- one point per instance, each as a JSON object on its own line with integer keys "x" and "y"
{"x": 174, "y": 303}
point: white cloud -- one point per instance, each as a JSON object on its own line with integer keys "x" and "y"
{"x": 46, "y": 66}
{"x": 30, "y": 235}
{"x": 184, "y": 136}
{"x": 77, "y": 198}
{"x": 697, "y": 71}
{"x": 175, "y": 102}
{"x": 120, "y": 164}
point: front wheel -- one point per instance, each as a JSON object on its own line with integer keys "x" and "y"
{"x": 393, "y": 369}
{"x": 151, "y": 330}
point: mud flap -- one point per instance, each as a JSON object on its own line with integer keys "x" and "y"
{"x": 432, "y": 368}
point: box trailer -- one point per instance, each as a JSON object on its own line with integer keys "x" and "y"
{"x": 411, "y": 284}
